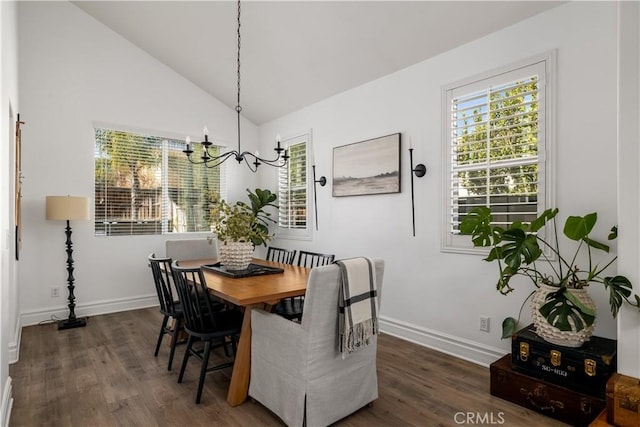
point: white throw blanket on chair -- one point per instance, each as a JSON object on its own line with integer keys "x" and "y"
{"x": 358, "y": 304}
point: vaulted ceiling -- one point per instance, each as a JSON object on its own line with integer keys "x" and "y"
{"x": 295, "y": 53}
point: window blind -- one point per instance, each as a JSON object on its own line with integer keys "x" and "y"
{"x": 292, "y": 189}
{"x": 495, "y": 135}
{"x": 144, "y": 184}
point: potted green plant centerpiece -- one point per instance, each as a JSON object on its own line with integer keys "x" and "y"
{"x": 241, "y": 227}
{"x": 562, "y": 311}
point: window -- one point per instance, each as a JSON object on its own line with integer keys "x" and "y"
{"x": 496, "y": 134}
{"x": 144, "y": 184}
{"x": 293, "y": 190}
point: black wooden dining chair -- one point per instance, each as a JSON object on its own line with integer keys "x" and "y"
{"x": 291, "y": 308}
{"x": 314, "y": 259}
{"x": 285, "y": 256}
{"x": 203, "y": 322}
{"x": 169, "y": 305}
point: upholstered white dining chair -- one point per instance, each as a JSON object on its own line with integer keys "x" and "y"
{"x": 186, "y": 249}
{"x": 297, "y": 371}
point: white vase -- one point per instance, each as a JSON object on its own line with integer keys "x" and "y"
{"x": 236, "y": 255}
{"x": 552, "y": 334}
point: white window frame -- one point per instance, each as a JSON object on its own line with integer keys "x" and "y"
{"x": 306, "y": 233}
{"x": 545, "y": 64}
{"x": 165, "y": 136}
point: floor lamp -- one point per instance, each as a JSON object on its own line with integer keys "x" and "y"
{"x": 67, "y": 208}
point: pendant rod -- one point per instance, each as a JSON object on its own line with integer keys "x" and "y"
{"x": 212, "y": 161}
{"x": 238, "y": 107}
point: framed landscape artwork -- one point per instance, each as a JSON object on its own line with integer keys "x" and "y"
{"x": 367, "y": 167}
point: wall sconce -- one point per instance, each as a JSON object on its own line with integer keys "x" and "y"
{"x": 420, "y": 170}
{"x": 322, "y": 181}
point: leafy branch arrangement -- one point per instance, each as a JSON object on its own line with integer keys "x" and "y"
{"x": 517, "y": 250}
{"x": 242, "y": 222}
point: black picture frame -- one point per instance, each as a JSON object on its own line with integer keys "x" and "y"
{"x": 367, "y": 167}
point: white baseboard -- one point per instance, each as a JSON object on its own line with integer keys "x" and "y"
{"x": 14, "y": 344}
{"x": 33, "y": 317}
{"x": 7, "y": 403}
{"x": 464, "y": 349}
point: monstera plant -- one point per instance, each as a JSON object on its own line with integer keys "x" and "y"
{"x": 519, "y": 250}
{"x": 259, "y": 200}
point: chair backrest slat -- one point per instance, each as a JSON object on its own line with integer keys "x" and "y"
{"x": 285, "y": 256}
{"x": 195, "y": 299}
{"x": 163, "y": 280}
{"x": 314, "y": 259}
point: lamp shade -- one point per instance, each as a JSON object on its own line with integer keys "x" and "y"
{"x": 67, "y": 208}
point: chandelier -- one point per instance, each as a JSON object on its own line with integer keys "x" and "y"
{"x": 212, "y": 161}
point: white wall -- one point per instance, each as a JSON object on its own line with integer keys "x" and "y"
{"x": 629, "y": 177}
{"x": 8, "y": 295}
{"x": 74, "y": 72}
{"x": 433, "y": 297}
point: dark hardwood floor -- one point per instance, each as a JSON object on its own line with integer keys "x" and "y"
{"x": 105, "y": 375}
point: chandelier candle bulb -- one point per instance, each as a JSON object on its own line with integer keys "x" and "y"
{"x": 205, "y": 131}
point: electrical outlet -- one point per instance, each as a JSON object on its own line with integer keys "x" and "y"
{"x": 484, "y": 323}
{"x": 55, "y": 292}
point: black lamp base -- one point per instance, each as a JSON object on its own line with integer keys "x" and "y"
{"x": 72, "y": 323}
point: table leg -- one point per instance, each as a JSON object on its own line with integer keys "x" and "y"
{"x": 239, "y": 386}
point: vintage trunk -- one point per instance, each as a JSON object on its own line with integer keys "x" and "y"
{"x": 585, "y": 369}
{"x": 541, "y": 396}
{"x": 623, "y": 400}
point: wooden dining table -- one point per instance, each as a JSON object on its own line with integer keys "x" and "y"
{"x": 261, "y": 291}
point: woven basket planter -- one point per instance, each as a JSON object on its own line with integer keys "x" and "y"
{"x": 552, "y": 334}
{"x": 236, "y": 255}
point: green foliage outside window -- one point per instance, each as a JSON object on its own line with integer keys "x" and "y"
{"x": 511, "y": 132}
